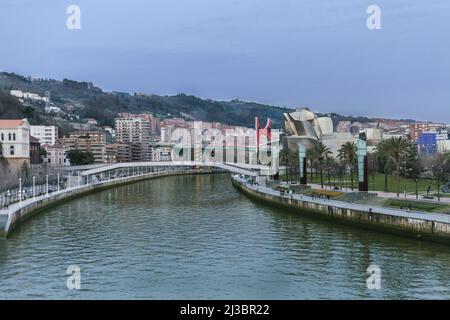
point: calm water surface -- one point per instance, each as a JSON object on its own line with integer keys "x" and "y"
{"x": 196, "y": 237}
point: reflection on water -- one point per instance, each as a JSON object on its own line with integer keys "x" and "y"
{"x": 196, "y": 237}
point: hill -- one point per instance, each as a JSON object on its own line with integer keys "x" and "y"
{"x": 81, "y": 100}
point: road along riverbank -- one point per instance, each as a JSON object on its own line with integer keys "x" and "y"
{"x": 427, "y": 226}
{"x": 17, "y": 213}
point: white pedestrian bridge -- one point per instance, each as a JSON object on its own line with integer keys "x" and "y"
{"x": 252, "y": 170}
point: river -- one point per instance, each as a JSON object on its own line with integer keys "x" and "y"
{"x": 197, "y": 237}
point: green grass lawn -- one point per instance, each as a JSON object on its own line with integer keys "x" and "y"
{"x": 418, "y": 205}
{"x": 372, "y": 199}
{"x": 376, "y": 183}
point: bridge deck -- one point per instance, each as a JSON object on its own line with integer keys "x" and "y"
{"x": 246, "y": 169}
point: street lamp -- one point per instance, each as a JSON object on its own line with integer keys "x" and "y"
{"x": 409, "y": 170}
{"x": 34, "y": 186}
{"x": 20, "y": 190}
{"x": 404, "y": 177}
{"x": 46, "y": 184}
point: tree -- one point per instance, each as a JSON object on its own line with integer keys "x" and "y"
{"x": 42, "y": 154}
{"x": 382, "y": 154}
{"x": 289, "y": 159}
{"x": 321, "y": 152}
{"x": 331, "y": 167}
{"x": 347, "y": 153}
{"x": 396, "y": 149}
{"x": 79, "y": 157}
{"x": 24, "y": 172}
{"x": 441, "y": 170}
{"x": 414, "y": 166}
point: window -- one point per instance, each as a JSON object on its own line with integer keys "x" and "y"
{"x": 11, "y": 150}
{"x": 9, "y": 136}
{"x": 14, "y": 136}
{"x": 3, "y": 137}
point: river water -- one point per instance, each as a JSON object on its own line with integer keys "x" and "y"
{"x": 197, "y": 237}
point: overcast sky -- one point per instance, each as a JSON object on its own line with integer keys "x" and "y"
{"x": 316, "y": 53}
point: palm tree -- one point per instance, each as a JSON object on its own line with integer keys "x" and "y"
{"x": 289, "y": 159}
{"x": 347, "y": 153}
{"x": 382, "y": 151}
{"x": 415, "y": 166}
{"x": 395, "y": 149}
{"x": 321, "y": 152}
{"x": 330, "y": 165}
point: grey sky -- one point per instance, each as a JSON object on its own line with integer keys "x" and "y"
{"x": 316, "y": 53}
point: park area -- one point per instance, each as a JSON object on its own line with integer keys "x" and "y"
{"x": 377, "y": 195}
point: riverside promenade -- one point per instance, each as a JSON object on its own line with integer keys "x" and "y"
{"x": 429, "y": 226}
{"x": 16, "y": 213}
{"x": 392, "y": 195}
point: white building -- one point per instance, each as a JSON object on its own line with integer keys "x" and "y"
{"x": 335, "y": 141}
{"x": 443, "y": 146}
{"x": 53, "y": 109}
{"x": 443, "y": 141}
{"x": 56, "y": 155}
{"x": 111, "y": 131}
{"x": 15, "y": 141}
{"x": 46, "y": 134}
{"x": 28, "y": 95}
{"x": 162, "y": 152}
{"x": 91, "y": 121}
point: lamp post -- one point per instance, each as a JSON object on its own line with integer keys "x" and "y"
{"x": 404, "y": 178}
{"x": 34, "y": 187}
{"x": 20, "y": 190}
{"x": 46, "y": 184}
{"x": 58, "y": 180}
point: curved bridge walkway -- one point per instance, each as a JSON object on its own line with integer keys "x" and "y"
{"x": 251, "y": 170}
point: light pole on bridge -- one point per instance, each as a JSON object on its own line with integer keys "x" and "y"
{"x": 20, "y": 190}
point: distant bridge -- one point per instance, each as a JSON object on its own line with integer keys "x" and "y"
{"x": 252, "y": 170}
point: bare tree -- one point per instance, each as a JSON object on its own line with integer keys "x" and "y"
{"x": 440, "y": 169}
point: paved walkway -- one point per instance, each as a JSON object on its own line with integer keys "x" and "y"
{"x": 383, "y": 194}
{"x": 437, "y": 217}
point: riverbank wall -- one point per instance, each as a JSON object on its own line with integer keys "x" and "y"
{"x": 418, "y": 225}
{"x": 17, "y": 213}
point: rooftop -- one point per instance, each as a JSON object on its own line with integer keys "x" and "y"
{"x": 11, "y": 123}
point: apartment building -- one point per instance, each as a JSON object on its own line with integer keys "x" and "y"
{"x": 162, "y": 152}
{"x": 45, "y": 134}
{"x": 155, "y": 125}
{"x": 416, "y": 129}
{"x": 56, "y": 155}
{"x": 118, "y": 152}
{"x": 91, "y": 141}
{"x": 136, "y": 132}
